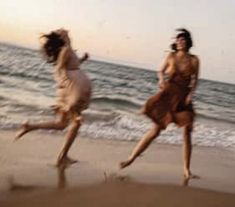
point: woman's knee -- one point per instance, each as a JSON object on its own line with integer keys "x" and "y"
{"x": 189, "y": 127}
{"x": 62, "y": 124}
{"x": 155, "y": 130}
{"x": 77, "y": 121}
{"x": 62, "y": 120}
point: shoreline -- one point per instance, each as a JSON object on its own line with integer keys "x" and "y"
{"x": 27, "y": 167}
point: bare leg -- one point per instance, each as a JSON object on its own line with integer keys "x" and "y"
{"x": 187, "y": 151}
{"x": 70, "y": 137}
{"x": 142, "y": 145}
{"x": 59, "y": 124}
{"x": 62, "y": 182}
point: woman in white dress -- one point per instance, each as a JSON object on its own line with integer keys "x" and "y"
{"x": 73, "y": 90}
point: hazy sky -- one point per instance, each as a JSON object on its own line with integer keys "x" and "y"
{"x": 137, "y": 32}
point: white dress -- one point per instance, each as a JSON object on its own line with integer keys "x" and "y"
{"x": 73, "y": 87}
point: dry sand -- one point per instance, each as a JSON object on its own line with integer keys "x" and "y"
{"x": 28, "y": 176}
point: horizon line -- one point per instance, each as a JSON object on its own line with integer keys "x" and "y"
{"x": 97, "y": 58}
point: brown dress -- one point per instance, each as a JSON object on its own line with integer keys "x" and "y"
{"x": 164, "y": 107}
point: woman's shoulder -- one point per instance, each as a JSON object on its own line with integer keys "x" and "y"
{"x": 194, "y": 57}
{"x": 195, "y": 62}
{"x": 170, "y": 56}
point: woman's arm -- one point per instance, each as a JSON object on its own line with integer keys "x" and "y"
{"x": 194, "y": 79}
{"x": 162, "y": 71}
{"x": 63, "y": 56}
{"x": 84, "y": 58}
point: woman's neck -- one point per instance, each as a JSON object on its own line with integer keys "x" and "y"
{"x": 181, "y": 53}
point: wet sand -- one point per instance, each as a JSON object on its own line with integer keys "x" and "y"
{"x": 28, "y": 176}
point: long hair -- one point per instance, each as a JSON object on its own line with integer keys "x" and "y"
{"x": 186, "y": 35}
{"x": 52, "y": 46}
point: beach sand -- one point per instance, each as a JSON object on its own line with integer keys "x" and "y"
{"x": 28, "y": 176}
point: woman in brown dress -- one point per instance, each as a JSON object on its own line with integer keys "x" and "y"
{"x": 73, "y": 90}
{"x": 173, "y": 103}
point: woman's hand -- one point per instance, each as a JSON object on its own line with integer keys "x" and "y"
{"x": 188, "y": 99}
{"x": 85, "y": 56}
{"x": 161, "y": 84}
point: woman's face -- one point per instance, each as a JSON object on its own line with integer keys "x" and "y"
{"x": 181, "y": 43}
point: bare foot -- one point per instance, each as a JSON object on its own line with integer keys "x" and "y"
{"x": 23, "y": 130}
{"x": 125, "y": 163}
{"x": 187, "y": 174}
{"x": 187, "y": 179}
{"x": 65, "y": 161}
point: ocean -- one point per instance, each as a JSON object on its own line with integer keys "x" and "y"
{"x": 27, "y": 90}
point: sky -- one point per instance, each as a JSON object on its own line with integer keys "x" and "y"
{"x": 133, "y": 32}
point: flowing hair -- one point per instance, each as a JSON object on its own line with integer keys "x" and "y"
{"x": 52, "y": 46}
{"x": 186, "y": 35}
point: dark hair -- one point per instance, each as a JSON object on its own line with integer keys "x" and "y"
{"x": 185, "y": 34}
{"x": 52, "y": 46}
